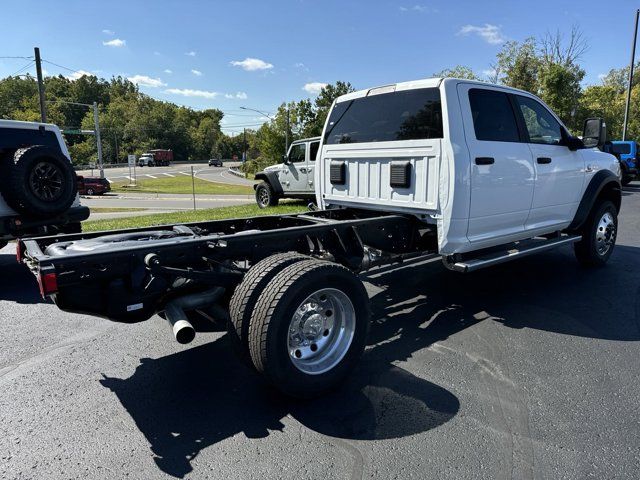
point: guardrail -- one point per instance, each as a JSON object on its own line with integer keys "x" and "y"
{"x": 237, "y": 172}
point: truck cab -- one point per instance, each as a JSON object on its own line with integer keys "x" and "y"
{"x": 293, "y": 178}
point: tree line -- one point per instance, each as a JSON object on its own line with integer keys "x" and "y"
{"x": 132, "y": 122}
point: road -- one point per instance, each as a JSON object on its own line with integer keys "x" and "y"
{"x": 213, "y": 174}
{"x": 526, "y": 370}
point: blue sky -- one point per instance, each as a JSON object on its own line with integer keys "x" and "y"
{"x": 226, "y": 54}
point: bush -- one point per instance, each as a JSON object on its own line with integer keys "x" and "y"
{"x": 255, "y": 166}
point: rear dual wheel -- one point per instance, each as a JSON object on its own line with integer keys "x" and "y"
{"x": 309, "y": 327}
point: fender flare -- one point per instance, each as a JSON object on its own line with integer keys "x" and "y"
{"x": 601, "y": 181}
{"x": 272, "y": 179}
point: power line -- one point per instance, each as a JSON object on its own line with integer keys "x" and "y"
{"x": 23, "y": 69}
{"x": 23, "y": 58}
{"x": 62, "y": 66}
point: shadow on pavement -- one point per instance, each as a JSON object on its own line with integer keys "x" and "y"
{"x": 191, "y": 400}
{"x": 17, "y": 284}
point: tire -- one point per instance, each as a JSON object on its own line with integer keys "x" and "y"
{"x": 626, "y": 179}
{"x": 38, "y": 181}
{"x": 265, "y": 196}
{"x": 598, "y": 235}
{"x": 338, "y": 328}
{"x": 246, "y": 294}
{"x": 72, "y": 228}
{"x": 3, "y": 243}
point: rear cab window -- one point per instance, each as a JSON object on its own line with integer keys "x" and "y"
{"x": 395, "y": 116}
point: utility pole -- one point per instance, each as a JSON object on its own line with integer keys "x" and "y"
{"x": 98, "y": 142}
{"x": 244, "y": 145}
{"x": 43, "y": 108}
{"x": 633, "y": 57}
{"x": 286, "y": 134}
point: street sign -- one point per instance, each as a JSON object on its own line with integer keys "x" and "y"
{"x": 132, "y": 160}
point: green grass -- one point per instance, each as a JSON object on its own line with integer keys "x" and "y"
{"x": 116, "y": 209}
{"x": 182, "y": 184}
{"x": 191, "y": 216}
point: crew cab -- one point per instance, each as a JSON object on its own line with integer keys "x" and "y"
{"x": 467, "y": 172}
{"x": 38, "y": 191}
{"x": 293, "y": 178}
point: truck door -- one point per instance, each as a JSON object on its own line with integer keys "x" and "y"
{"x": 502, "y": 173}
{"x": 311, "y": 164}
{"x": 559, "y": 171}
{"x": 293, "y": 176}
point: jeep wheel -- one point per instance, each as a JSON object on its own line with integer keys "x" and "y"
{"x": 265, "y": 196}
{"x": 598, "y": 235}
{"x": 309, "y": 327}
{"x": 39, "y": 181}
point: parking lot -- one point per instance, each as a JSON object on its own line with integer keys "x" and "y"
{"x": 525, "y": 370}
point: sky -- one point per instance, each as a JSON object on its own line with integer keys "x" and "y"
{"x": 229, "y": 54}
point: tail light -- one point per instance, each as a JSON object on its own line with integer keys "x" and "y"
{"x": 48, "y": 282}
{"x": 19, "y": 251}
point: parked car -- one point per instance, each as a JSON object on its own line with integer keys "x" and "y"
{"x": 215, "y": 162}
{"x": 468, "y": 172}
{"x": 629, "y": 156}
{"x": 38, "y": 188}
{"x": 93, "y": 185}
{"x": 293, "y": 178}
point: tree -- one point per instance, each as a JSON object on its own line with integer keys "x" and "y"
{"x": 560, "y": 89}
{"x": 517, "y": 65}
{"x": 459, "y": 71}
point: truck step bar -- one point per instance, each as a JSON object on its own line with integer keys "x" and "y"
{"x": 519, "y": 250}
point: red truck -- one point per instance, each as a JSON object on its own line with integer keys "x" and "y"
{"x": 161, "y": 157}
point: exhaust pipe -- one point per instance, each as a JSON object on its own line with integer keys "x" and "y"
{"x": 182, "y": 329}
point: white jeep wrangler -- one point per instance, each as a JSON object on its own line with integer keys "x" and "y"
{"x": 293, "y": 178}
{"x": 38, "y": 186}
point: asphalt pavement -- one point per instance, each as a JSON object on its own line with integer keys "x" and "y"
{"x": 525, "y": 370}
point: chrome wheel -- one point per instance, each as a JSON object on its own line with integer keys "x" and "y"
{"x": 605, "y": 233}
{"x": 321, "y": 331}
{"x": 46, "y": 181}
{"x": 263, "y": 197}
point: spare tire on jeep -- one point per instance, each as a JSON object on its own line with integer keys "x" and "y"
{"x": 38, "y": 181}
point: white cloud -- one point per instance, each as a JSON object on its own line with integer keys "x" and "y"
{"x": 116, "y": 42}
{"x": 491, "y": 34}
{"x": 190, "y": 54}
{"x": 106, "y": 31}
{"x": 166, "y": 70}
{"x": 157, "y": 54}
{"x": 239, "y": 95}
{"x": 197, "y": 73}
{"x": 417, "y": 8}
{"x": 252, "y": 64}
{"x": 78, "y": 74}
{"x": 187, "y": 92}
{"x": 314, "y": 87}
{"x": 145, "y": 81}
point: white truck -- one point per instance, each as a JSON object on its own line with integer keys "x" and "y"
{"x": 293, "y": 178}
{"x": 38, "y": 186}
{"x": 472, "y": 173}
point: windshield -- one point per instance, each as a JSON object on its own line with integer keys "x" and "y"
{"x": 405, "y": 115}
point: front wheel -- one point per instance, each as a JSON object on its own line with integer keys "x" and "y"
{"x": 598, "y": 235}
{"x": 265, "y": 196}
{"x": 309, "y": 327}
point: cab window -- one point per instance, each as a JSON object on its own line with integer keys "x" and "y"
{"x": 493, "y": 117}
{"x": 313, "y": 151}
{"x": 297, "y": 153}
{"x": 541, "y": 125}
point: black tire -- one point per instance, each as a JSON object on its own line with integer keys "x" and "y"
{"x": 38, "y": 181}
{"x": 270, "y": 326}
{"x": 75, "y": 227}
{"x": 3, "y": 243}
{"x": 265, "y": 196}
{"x": 598, "y": 233}
{"x": 246, "y": 294}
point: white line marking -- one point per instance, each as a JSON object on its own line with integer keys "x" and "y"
{"x": 184, "y": 173}
{"x": 168, "y": 175}
{"x": 150, "y": 176}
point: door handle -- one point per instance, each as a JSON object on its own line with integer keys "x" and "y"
{"x": 485, "y": 161}
{"x": 543, "y": 160}
{"x": 303, "y": 170}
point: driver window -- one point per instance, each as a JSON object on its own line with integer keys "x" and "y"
{"x": 541, "y": 125}
{"x": 297, "y": 153}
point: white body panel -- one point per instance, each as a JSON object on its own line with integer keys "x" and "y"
{"x": 474, "y": 206}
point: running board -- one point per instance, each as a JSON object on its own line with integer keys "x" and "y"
{"x": 519, "y": 251}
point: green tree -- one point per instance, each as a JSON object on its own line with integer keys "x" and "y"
{"x": 459, "y": 71}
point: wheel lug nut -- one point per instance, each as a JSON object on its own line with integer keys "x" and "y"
{"x": 328, "y": 313}
{"x": 314, "y": 347}
{"x": 325, "y": 333}
{"x": 298, "y": 353}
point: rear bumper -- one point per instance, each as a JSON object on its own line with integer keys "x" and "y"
{"x": 20, "y": 226}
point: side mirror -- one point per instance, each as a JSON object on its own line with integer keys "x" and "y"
{"x": 594, "y": 133}
{"x": 573, "y": 143}
{"x": 285, "y": 160}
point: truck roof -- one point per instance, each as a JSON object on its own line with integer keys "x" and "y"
{"x": 26, "y": 125}
{"x": 310, "y": 139}
{"x": 422, "y": 83}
